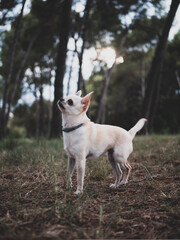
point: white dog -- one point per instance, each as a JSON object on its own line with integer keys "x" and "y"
{"x": 85, "y": 140}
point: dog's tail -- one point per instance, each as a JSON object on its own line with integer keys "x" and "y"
{"x": 137, "y": 127}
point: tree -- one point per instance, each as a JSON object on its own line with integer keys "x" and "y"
{"x": 64, "y": 30}
{"x": 120, "y": 9}
{"x": 107, "y": 76}
{"x": 167, "y": 117}
{"x": 32, "y": 49}
{"x": 6, "y": 7}
{"x": 4, "y": 115}
{"x": 154, "y": 77}
{"x": 83, "y": 35}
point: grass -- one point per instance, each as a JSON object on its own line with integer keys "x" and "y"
{"x": 35, "y": 202}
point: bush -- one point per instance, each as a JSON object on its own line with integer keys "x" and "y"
{"x": 18, "y": 132}
{"x": 8, "y": 144}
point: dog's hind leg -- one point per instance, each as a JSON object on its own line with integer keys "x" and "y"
{"x": 71, "y": 164}
{"x": 121, "y": 154}
{"x": 116, "y": 168}
{"x": 127, "y": 169}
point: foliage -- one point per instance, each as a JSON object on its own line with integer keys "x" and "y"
{"x": 6, "y": 8}
{"x": 107, "y": 21}
{"x": 168, "y": 114}
{"x": 25, "y": 120}
{"x": 124, "y": 94}
{"x": 124, "y": 101}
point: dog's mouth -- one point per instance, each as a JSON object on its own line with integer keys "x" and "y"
{"x": 60, "y": 105}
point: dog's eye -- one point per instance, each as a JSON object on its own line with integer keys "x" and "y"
{"x": 70, "y": 102}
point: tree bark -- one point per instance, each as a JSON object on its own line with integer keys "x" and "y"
{"x": 8, "y": 79}
{"x": 65, "y": 23}
{"x": 154, "y": 77}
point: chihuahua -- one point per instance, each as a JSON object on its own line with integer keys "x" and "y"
{"x": 85, "y": 140}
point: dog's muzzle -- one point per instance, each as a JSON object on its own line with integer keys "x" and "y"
{"x": 60, "y": 104}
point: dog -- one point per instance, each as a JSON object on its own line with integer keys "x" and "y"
{"x": 84, "y": 140}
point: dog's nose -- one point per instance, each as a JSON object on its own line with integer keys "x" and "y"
{"x": 61, "y": 99}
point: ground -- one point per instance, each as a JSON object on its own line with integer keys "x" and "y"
{"x": 36, "y": 202}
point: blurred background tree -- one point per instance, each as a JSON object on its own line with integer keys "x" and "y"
{"x": 44, "y": 46}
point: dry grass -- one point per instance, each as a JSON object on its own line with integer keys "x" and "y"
{"x": 35, "y": 202}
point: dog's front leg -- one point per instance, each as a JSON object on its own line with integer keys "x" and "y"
{"x": 80, "y": 164}
{"x": 71, "y": 164}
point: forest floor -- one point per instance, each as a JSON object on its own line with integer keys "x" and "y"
{"x": 35, "y": 202}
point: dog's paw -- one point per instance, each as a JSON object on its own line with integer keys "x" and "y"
{"x": 113, "y": 186}
{"x": 78, "y": 191}
{"x": 123, "y": 182}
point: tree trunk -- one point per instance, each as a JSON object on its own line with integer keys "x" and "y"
{"x": 65, "y": 23}
{"x": 107, "y": 76}
{"x": 178, "y": 78}
{"x": 154, "y": 77}
{"x": 142, "y": 78}
{"x": 81, "y": 83}
{"x": 8, "y": 79}
{"x": 49, "y": 112}
{"x": 18, "y": 77}
{"x": 41, "y": 112}
{"x": 70, "y": 72}
{"x": 102, "y": 105}
{"x": 37, "y": 111}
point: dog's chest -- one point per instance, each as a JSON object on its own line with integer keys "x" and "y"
{"x": 72, "y": 144}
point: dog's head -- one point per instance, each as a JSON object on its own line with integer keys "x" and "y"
{"x": 74, "y": 104}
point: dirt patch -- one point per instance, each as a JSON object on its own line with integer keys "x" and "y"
{"x": 35, "y": 203}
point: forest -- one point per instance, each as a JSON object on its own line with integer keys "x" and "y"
{"x": 118, "y": 49}
{"x": 122, "y": 50}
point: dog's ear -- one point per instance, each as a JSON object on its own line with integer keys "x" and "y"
{"x": 86, "y": 101}
{"x": 79, "y": 93}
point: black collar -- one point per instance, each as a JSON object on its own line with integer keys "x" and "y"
{"x": 67, "y": 130}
